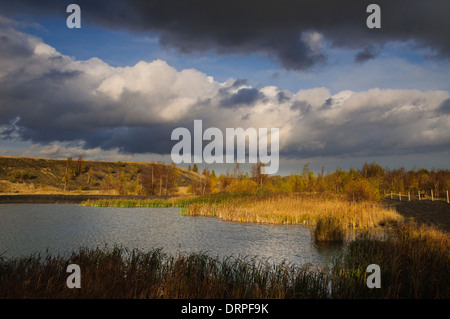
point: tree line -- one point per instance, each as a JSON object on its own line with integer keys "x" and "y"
{"x": 371, "y": 182}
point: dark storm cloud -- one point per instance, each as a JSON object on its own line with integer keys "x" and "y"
{"x": 283, "y": 97}
{"x": 243, "y": 97}
{"x": 134, "y": 140}
{"x": 367, "y": 54}
{"x": 275, "y": 28}
{"x": 9, "y": 47}
{"x": 240, "y": 82}
{"x": 128, "y": 140}
{"x": 444, "y": 109}
{"x": 47, "y": 97}
{"x": 328, "y": 103}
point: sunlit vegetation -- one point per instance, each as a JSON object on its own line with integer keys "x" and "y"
{"x": 19, "y": 175}
{"x": 297, "y": 209}
{"x": 176, "y": 201}
{"x": 329, "y": 229}
{"x": 370, "y": 183}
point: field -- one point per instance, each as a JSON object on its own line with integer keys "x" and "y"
{"x": 427, "y": 212}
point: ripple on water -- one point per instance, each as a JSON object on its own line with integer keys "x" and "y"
{"x": 26, "y": 229}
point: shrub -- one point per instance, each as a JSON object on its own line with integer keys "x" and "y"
{"x": 21, "y": 175}
{"x": 361, "y": 190}
{"x": 243, "y": 185}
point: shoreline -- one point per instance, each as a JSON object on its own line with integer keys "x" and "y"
{"x": 435, "y": 213}
{"x": 64, "y": 199}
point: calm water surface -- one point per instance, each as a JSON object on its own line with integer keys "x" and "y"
{"x": 30, "y": 228}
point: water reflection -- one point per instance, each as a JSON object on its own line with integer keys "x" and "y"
{"x": 26, "y": 229}
{"x": 329, "y": 249}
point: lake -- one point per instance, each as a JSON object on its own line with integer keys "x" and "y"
{"x": 61, "y": 229}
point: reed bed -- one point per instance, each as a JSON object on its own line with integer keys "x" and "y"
{"x": 182, "y": 201}
{"x": 414, "y": 262}
{"x": 297, "y": 209}
{"x": 130, "y": 203}
{"x": 117, "y": 273}
{"x": 331, "y": 216}
{"x": 328, "y": 229}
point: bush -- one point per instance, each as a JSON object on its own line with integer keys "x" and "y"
{"x": 242, "y": 186}
{"x": 21, "y": 175}
{"x": 4, "y": 187}
{"x": 362, "y": 190}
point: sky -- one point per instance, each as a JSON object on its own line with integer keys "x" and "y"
{"x": 115, "y": 89}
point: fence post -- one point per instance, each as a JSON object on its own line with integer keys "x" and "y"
{"x": 432, "y": 197}
{"x": 418, "y": 192}
{"x": 409, "y": 196}
{"x": 400, "y": 196}
{"x": 447, "y": 198}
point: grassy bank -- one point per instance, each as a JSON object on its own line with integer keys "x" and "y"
{"x": 179, "y": 201}
{"x": 414, "y": 262}
{"x": 21, "y": 175}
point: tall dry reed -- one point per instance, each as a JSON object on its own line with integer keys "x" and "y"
{"x": 414, "y": 262}
{"x": 297, "y": 209}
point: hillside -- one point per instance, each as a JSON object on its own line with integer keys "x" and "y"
{"x": 19, "y": 175}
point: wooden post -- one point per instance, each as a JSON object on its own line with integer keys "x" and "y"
{"x": 418, "y": 192}
{"x": 400, "y": 196}
{"x": 432, "y": 197}
{"x": 391, "y": 195}
{"x": 409, "y": 196}
{"x": 447, "y": 198}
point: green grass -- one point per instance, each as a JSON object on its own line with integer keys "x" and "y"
{"x": 182, "y": 201}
